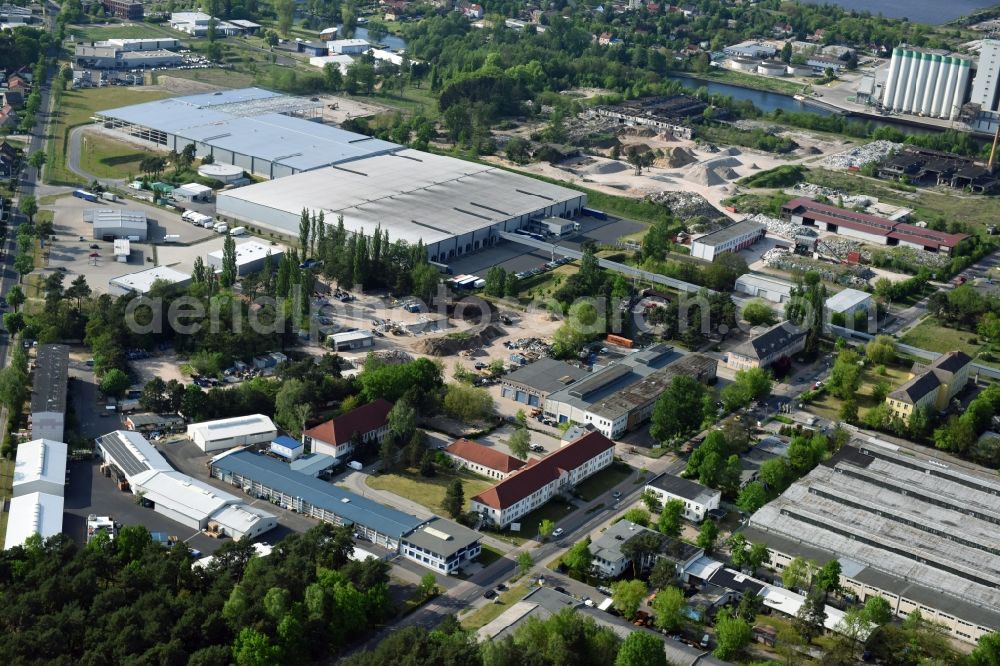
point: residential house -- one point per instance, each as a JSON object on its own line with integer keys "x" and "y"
{"x": 698, "y": 499}
{"x": 338, "y": 437}
{"x": 473, "y": 12}
{"x": 932, "y": 385}
{"x": 764, "y": 348}
{"x": 481, "y": 459}
{"x": 540, "y": 480}
{"x": 8, "y": 160}
{"x": 8, "y": 117}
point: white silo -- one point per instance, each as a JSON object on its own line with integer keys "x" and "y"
{"x": 918, "y": 74}
{"x": 904, "y": 76}
{"x": 892, "y": 80}
{"x": 939, "y": 88}
{"x": 927, "y": 94}
{"x": 964, "y": 72}
{"x": 949, "y": 91}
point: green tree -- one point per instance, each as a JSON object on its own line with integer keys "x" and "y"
{"x": 519, "y": 443}
{"x": 758, "y": 313}
{"x": 845, "y": 377}
{"x": 227, "y": 277}
{"x": 679, "y": 410}
{"x": 651, "y": 500}
{"x": 114, "y": 383}
{"x": 707, "y": 535}
{"x": 14, "y": 322}
{"x": 15, "y": 297}
{"x": 37, "y": 159}
{"x": 428, "y": 586}
{"x": 637, "y": 516}
{"x": 828, "y": 577}
{"x": 797, "y": 574}
{"x": 285, "y": 9}
{"x": 849, "y": 411}
{"x": 752, "y": 497}
{"x": 641, "y": 649}
{"x": 24, "y": 263}
{"x": 668, "y": 607}
{"x": 524, "y": 562}
{"x": 987, "y": 652}
{"x": 252, "y": 648}
{"x": 881, "y": 350}
{"x": 670, "y": 521}
{"x": 387, "y": 456}
{"x": 578, "y": 558}
{"x": 627, "y": 596}
{"x": 757, "y": 556}
{"x": 546, "y": 528}
{"x": 293, "y": 392}
{"x": 749, "y": 607}
{"x": 467, "y": 403}
{"x": 747, "y": 386}
{"x": 732, "y": 635}
{"x": 454, "y": 498}
{"x": 878, "y": 611}
{"x": 28, "y": 207}
{"x": 402, "y": 420}
{"x": 811, "y": 616}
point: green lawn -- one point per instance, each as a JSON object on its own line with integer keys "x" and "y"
{"x": 76, "y": 108}
{"x": 93, "y": 33}
{"x": 489, "y": 555}
{"x": 483, "y": 616}
{"x": 554, "y": 510}
{"x": 931, "y": 335}
{"x": 109, "y": 158}
{"x": 829, "y": 406}
{"x": 428, "y": 492}
{"x": 600, "y": 483}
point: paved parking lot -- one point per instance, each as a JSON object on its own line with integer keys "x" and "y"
{"x": 68, "y": 252}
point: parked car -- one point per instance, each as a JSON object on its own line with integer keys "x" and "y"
{"x": 558, "y": 532}
{"x": 489, "y": 594}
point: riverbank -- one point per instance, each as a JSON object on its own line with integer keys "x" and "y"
{"x": 748, "y": 81}
{"x": 745, "y": 82}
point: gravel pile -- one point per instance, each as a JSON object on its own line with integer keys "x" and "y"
{"x": 848, "y": 200}
{"x": 687, "y": 205}
{"x": 781, "y": 228}
{"x": 876, "y": 151}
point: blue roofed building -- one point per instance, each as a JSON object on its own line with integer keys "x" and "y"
{"x": 267, "y": 478}
{"x": 313, "y": 464}
{"x": 286, "y": 447}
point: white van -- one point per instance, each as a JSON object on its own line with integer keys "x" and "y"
{"x": 221, "y": 228}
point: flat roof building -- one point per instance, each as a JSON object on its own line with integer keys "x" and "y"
{"x": 455, "y": 207}
{"x": 148, "y": 422}
{"x": 33, "y": 513}
{"x": 228, "y": 433}
{"x": 117, "y": 223}
{"x": 442, "y": 545}
{"x": 141, "y": 282}
{"x": 848, "y": 300}
{"x": 265, "y": 133}
{"x": 250, "y": 257}
{"x": 767, "y": 287}
{"x": 610, "y": 553}
{"x": 267, "y": 478}
{"x": 351, "y": 340}
{"x": 916, "y": 529}
{"x": 48, "y": 392}
{"x": 533, "y": 383}
{"x": 39, "y": 467}
{"x": 728, "y": 239}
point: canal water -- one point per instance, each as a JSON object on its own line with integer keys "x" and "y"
{"x": 932, "y": 12}
{"x": 394, "y": 42}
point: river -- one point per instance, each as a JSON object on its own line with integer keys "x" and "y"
{"x": 394, "y": 42}
{"x": 918, "y": 11}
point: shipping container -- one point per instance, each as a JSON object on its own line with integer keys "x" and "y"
{"x": 593, "y": 212}
{"x": 84, "y": 194}
{"x": 109, "y": 196}
{"x": 238, "y": 231}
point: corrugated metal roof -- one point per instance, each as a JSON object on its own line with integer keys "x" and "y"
{"x": 350, "y": 507}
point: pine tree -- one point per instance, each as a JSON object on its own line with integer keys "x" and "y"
{"x": 198, "y": 274}
{"x": 227, "y": 277}
{"x": 304, "y": 225}
{"x": 267, "y": 275}
{"x": 284, "y": 280}
{"x": 454, "y": 498}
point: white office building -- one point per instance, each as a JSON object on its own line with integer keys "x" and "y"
{"x": 698, "y": 499}
{"x": 729, "y": 239}
{"x": 441, "y": 545}
{"x": 228, "y": 433}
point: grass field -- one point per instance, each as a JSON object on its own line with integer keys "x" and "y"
{"x": 76, "y": 108}
{"x": 483, "y": 616}
{"x": 829, "y": 406}
{"x": 555, "y": 510}
{"x": 123, "y": 31}
{"x": 108, "y": 158}
{"x": 929, "y": 334}
{"x": 427, "y": 492}
{"x": 603, "y": 481}
{"x": 746, "y": 80}
{"x": 489, "y": 555}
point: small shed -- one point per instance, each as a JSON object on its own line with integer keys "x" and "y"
{"x": 286, "y": 447}
{"x": 350, "y": 340}
{"x": 314, "y": 464}
{"x": 193, "y": 192}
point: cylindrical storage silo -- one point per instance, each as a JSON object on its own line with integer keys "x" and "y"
{"x": 892, "y": 80}
{"x": 927, "y": 94}
{"x": 964, "y": 71}
{"x": 949, "y": 89}
{"x": 904, "y": 80}
{"x": 939, "y": 88}
{"x": 918, "y": 74}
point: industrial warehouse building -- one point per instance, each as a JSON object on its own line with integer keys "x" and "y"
{"x": 455, "y": 207}
{"x": 265, "y": 133}
{"x": 892, "y": 519}
{"x": 868, "y": 228}
{"x": 767, "y": 287}
{"x": 110, "y": 223}
{"x": 619, "y": 397}
{"x": 48, "y": 392}
{"x": 267, "y": 478}
{"x": 533, "y": 383}
{"x": 141, "y": 282}
{"x": 848, "y": 306}
{"x": 250, "y": 257}
{"x": 37, "y": 489}
{"x": 729, "y": 239}
{"x": 178, "y": 496}
{"x": 228, "y": 433}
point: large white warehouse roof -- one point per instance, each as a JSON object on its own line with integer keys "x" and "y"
{"x": 40, "y": 463}
{"x": 239, "y": 426}
{"x": 413, "y": 195}
{"x": 34, "y": 513}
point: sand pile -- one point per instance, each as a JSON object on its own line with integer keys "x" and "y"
{"x": 449, "y": 346}
{"x": 600, "y": 168}
{"x": 723, "y": 162}
{"x": 675, "y": 157}
{"x": 727, "y": 172}
{"x": 705, "y": 176}
{"x": 732, "y": 151}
